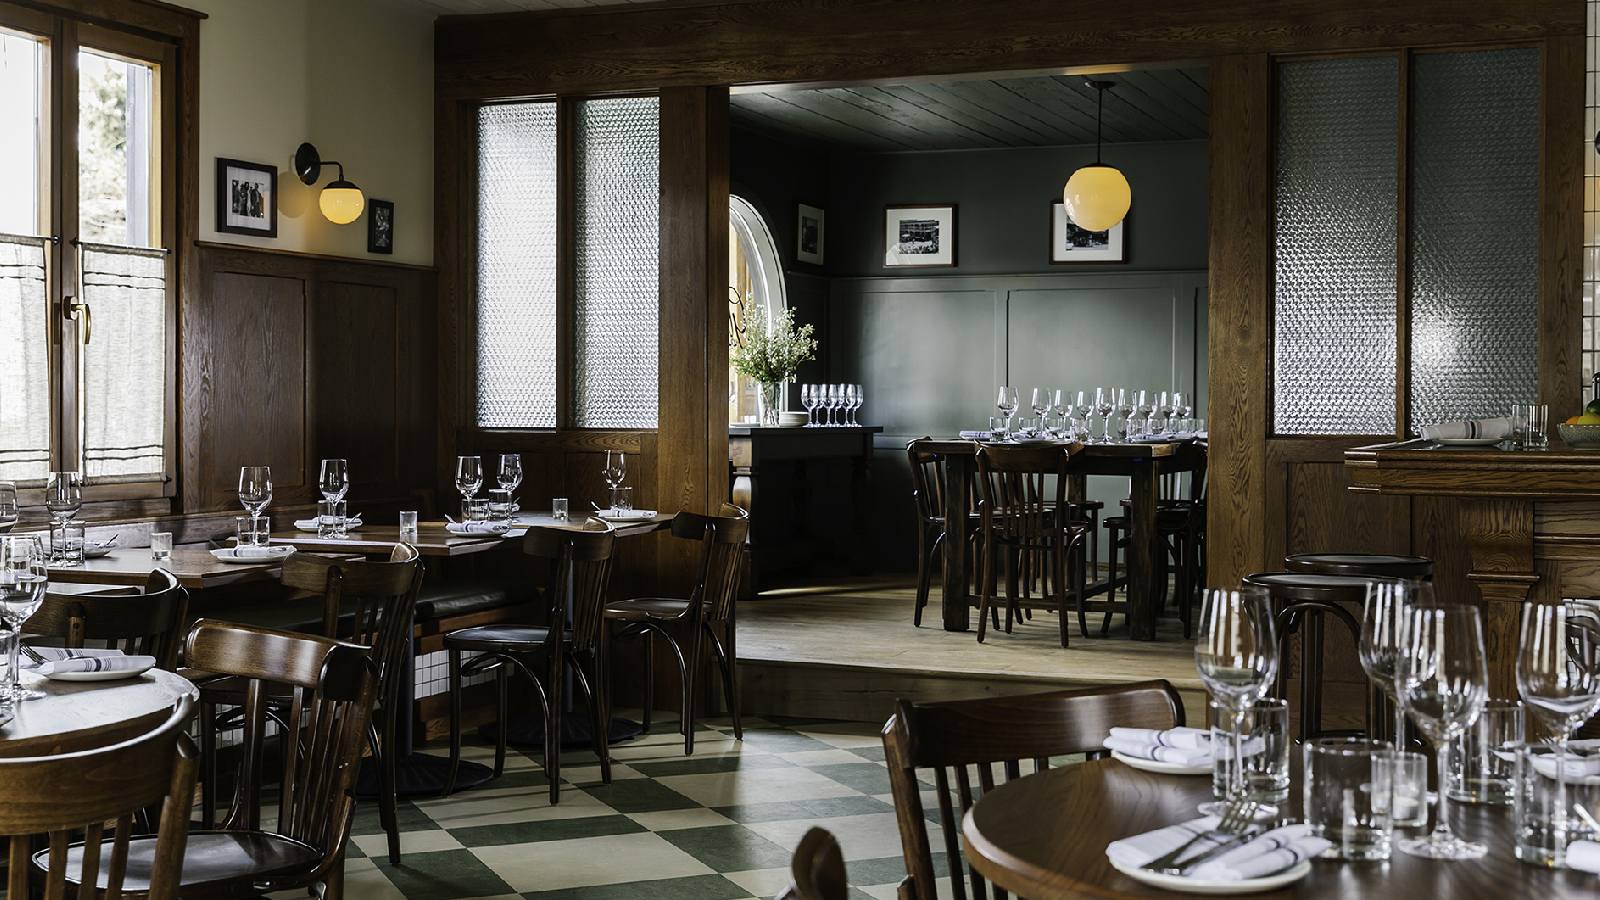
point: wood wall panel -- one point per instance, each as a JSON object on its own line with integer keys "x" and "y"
{"x": 355, "y": 380}
{"x": 1324, "y": 517}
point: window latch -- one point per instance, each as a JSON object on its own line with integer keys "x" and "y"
{"x": 75, "y": 311}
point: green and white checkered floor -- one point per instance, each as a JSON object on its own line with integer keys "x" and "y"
{"x": 719, "y": 824}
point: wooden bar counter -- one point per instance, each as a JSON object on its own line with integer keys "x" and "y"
{"x": 1528, "y": 522}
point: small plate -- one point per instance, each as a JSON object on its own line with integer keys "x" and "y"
{"x": 1185, "y": 885}
{"x": 94, "y": 550}
{"x": 273, "y": 554}
{"x": 1467, "y": 442}
{"x": 1159, "y": 767}
{"x": 100, "y": 676}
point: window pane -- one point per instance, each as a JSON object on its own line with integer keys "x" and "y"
{"x": 114, "y": 150}
{"x": 25, "y": 375}
{"x": 22, "y": 95}
{"x": 124, "y": 363}
{"x": 516, "y": 284}
{"x": 617, "y": 250}
{"x": 1474, "y": 233}
{"x": 1336, "y": 191}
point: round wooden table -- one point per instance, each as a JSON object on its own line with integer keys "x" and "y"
{"x": 1044, "y": 837}
{"x": 79, "y": 715}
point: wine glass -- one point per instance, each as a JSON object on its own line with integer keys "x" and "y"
{"x": 510, "y": 474}
{"x": 255, "y": 488}
{"x": 1039, "y": 401}
{"x": 1140, "y": 401}
{"x": 808, "y": 399}
{"x": 1237, "y": 657}
{"x": 833, "y": 396}
{"x": 10, "y": 510}
{"x": 1169, "y": 405}
{"x": 614, "y": 471}
{"x": 63, "y": 497}
{"x": 1104, "y": 404}
{"x": 469, "y": 477}
{"x": 1124, "y": 401}
{"x": 1382, "y": 650}
{"x": 861, "y": 398}
{"x": 1082, "y": 406}
{"x": 1447, "y": 685}
{"x": 24, "y": 575}
{"x": 849, "y": 404}
{"x": 1181, "y": 406}
{"x": 334, "y": 482}
{"x": 1062, "y": 408}
{"x": 1558, "y": 676}
{"x": 1006, "y": 402}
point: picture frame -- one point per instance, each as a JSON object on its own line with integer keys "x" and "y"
{"x": 380, "y": 226}
{"x": 810, "y": 234}
{"x": 919, "y": 236}
{"x": 247, "y": 198}
{"x": 1071, "y": 245}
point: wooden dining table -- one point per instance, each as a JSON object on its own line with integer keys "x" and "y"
{"x": 79, "y": 715}
{"x": 194, "y": 567}
{"x": 435, "y": 541}
{"x": 1044, "y": 837}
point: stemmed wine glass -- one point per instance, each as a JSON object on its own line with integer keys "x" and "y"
{"x": 1383, "y": 628}
{"x": 10, "y": 510}
{"x": 1558, "y": 676}
{"x": 1237, "y": 657}
{"x": 1169, "y": 405}
{"x": 1039, "y": 401}
{"x": 1180, "y": 405}
{"x": 1006, "y": 401}
{"x": 334, "y": 482}
{"x": 1124, "y": 401}
{"x": 809, "y": 400}
{"x": 1082, "y": 406}
{"x": 614, "y": 471}
{"x": 469, "y": 478}
{"x": 860, "y": 399}
{"x": 255, "y": 488}
{"x": 849, "y": 404}
{"x": 1140, "y": 401}
{"x": 831, "y": 401}
{"x": 1104, "y": 404}
{"x": 1063, "y": 410}
{"x": 24, "y": 575}
{"x": 510, "y": 476}
{"x": 63, "y": 497}
{"x": 1447, "y": 683}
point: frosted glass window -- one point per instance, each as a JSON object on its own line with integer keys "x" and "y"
{"x": 516, "y": 266}
{"x": 1336, "y": 192}
{"x": 124, "y": 363}
{"x": 25, "y": 377}
{"x": 616, "y": 248}
{"x": 1473, "y": 232}
{"x": 1591, "y": 207}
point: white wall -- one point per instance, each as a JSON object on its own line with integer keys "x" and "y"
{"x": 354, "y": 77}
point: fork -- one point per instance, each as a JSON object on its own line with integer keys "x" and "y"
{"x": 1235, "y": 822}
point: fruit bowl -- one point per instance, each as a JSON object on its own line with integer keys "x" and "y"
{"x": 1579, "y": 435}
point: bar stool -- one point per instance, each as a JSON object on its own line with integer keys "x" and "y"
{"x": 1359, "y": 565}
{"x": 1301, "y": 604}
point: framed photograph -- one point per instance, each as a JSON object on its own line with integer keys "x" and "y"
{"x": 919, "y": 236}
{"x": 808, "y": 231}
{"x": 1071, "y": 244}
{"x": 380, "y": 226}
{"x": 247, "y": 198}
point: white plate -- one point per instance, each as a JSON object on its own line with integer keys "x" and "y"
{"x": 1160, "y": 768}
{"x": 1467, "y": 442}
{"x": 638, "y": 515}
{"x": 97, "y": 550}
{"x": 1185, "y": 885}
{"x": 274, "y": 554}
{"x": 100, "y": 676}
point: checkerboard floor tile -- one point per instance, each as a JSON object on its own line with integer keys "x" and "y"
{"x": 719, "y": 825}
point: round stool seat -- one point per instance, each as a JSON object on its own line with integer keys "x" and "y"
{"x": 1299, "y": 586}
{"x": 1384, "y": 565}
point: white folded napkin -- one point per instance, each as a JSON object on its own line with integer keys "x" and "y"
{"x": 1584, "y": 856}
{"x": 59, "y": 660}
{"x": 977, "y": 435}
{"x": 312, "y": 523}
{"x": 1180, "y": 746}
{"x": 1581, "y": 764}
{"x": 477, "y": 527}
{"x": 1132, "y": 852}
{"x": 1498, "y": 428}
{"x": 1269, "y": 852}
{"x": 615, "y": 513}
{"x": 254, "y": 551}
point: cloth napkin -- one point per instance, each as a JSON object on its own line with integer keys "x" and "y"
{"x": 59, "y": 660}
{"x": 477, "y": 527}
{"x": 977, "y": 435}
{"x": 627, "y": 514}
{"x": 311, "y": 524}
{"x": 1582, "y": 761}
{"x": 1181, "y": 746}
{"x": 1584, "y": 856}
{"x": 257, "y": 552}
{"x": 1498, "y": 428}
{"x": 1269, "y": 852}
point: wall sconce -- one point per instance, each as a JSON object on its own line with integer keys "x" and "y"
{"x": 341, "y": 201}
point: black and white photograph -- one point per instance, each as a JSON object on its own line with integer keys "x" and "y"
{"x": 1071, "y": 244}
{"x": 809, "y": 232}
{"x": 380, "y": 226}
{"x": 247, "y": 198}
{"x": 917, "y": 236}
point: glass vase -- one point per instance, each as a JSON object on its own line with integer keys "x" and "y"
{"x": 771, "y": 403}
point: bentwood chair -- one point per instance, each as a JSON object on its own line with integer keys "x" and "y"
{"x": 1027, "y": 529}
{"x": 331, "y": 687}
{"x": 706, "y": 619}
{"x": 816, "y": 870}
{"x": 928, "y": 485}
{"x": 139, "y": 624}
{"x": 1181, "y": 524}
{"x": 953, "y": 736}
{"x": 47, "y": 795}
{"x": 579, "y": 564}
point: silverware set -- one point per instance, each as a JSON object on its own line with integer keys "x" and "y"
{"x": 1237, "y": 825}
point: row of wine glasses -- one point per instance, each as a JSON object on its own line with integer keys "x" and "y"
{"x": 831, "y": 398}
{"x": 469, "y": 476}
{"x": 1072, "y": 410}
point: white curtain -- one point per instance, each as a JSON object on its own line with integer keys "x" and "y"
{"x": 124, "y": 364}
{"x": 24, "y": 361}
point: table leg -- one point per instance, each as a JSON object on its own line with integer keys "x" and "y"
{"x": 954, "y": 601}
{"x": 1143, "y": 552}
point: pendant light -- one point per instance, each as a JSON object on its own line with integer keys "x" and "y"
{"x": 1097, "y": 196}
{"x": 341, "y": 201}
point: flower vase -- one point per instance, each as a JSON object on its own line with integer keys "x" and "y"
{"x": 770, "y": 402}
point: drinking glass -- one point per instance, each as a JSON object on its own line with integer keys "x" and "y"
{"x": 475, "y": 510}
{"x": 63, "y": 497}
{"x": 24, "y": 575}
{"x": 256, "y": 531}
{"x": 1006, "y": 402}
{"x": 1142, "y": 408}
{"x": 615, "y": 470}
{"x": 861, "y": 399}
{"x": 334, "y": 482}
{"x": 558, "y": 509}
{"x": 1545, "y": 807}
{"x": 1482, "y": 768}
{"x": 622, "y": 500}
{"x": 255, "y": 488}
{"x": 1104, "y": 404}
{"x": 808, "y": 399}
{"x": 499, "y": 505}
{"x": 1167, "y": 406}
{"x": 510, "y": 475}
{"x": 469, "y": 477}
{"x": 1123, "y": 399}
{"x": 1382, "y": 646}
{"x": 1265, "y": 749}
{"x": 1341, "y": 799}
{"x": 1530, "y": 426}
{"x": 10, "y": 510}
{"x": 66, "y": 543}
{"x": 408, "y": 525}
{"x": 1237, "y": 658}
{"x": 841, "y": 403}
{"x": 1400, "y": 788}
{"x": 1180, "y": 401}
{"x": 850, "y": 404}
{"x": 1558, "y": 673}
{"x": 1039, "y": 401}
{"x": 1447, "y": 684}
{"x": 160, "y": 545}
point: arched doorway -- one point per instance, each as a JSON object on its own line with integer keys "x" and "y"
{"x": 755, "y": 278}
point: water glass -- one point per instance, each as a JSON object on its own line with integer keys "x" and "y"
{"x": 475, "y": 510}
{"x": 997, "y": 427}
{"x": 1537, "y": 436}
{"x": 255, "y": 531}
{"x": 500, "y": 505}
{"x": 408, "y": 525}
{"x": 160, "y": 545}
{"x": 1544, "y": 809}
{"x": 24, "y": 576}
{"x": 1265, "y": 750}
{"x": 10, "y": 510}
{"x": 558, "y": 509}
{"x": 66, "y": 544}
{"x": 1400, "y": 787}
{"x": 622, "y": 500}
{"x": 1342, "y": 797}
{"x": 330, "y": 519}
{"x": 1482, "y": 766}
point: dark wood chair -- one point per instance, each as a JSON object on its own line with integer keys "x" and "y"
{"x": 952, "y": 736}
{"x": 1028, "y": 530}
{"x": 928, "y": 495}
{"x": 706, "y": 618}
{"x": 139, "y": 624}
{"x": 816, "y": 870}
{"x": 46, "y": 795}
{"x": 331, "y": 685}
{"x": 1181, "y": 522}
{"x": 575, "y": 635}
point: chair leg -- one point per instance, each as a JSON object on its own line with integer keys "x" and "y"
{"x": 986, "y": 588}
{"x": 1014, "y": 560}
{"x": 925, "y": 558}
{"x": 1111, "y": 561}
{"x": 730, "y": 678}
{"x": 601, "y": 737}
{"x": 691, "y": 680}
{"x": 208, "y": 766}
{"x": 455, "y": 723}
{"x": 649, "y": 680}
{"x": 333, "y": 882}
{"x": 388, "y": 790}
{"x": 552, "y": 727}
{"x": 502, "y": 690}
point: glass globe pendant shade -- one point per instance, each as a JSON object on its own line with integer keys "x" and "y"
{"x": 1097, "y": 197}
{"x": 341, "y": 202}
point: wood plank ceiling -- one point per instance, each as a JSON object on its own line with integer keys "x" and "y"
{"x": 1035, "y": 111}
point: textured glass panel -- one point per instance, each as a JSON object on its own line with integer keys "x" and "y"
{"x": 1591, "y": 203}
{"x": 124, "y": 365}
{"x": 1336, "y": 195}
{"x": 25, "y": 374}
{"x": 516, "y": 281}
{"x": 617, "y": 248}
{"x": 1473, "y": 232}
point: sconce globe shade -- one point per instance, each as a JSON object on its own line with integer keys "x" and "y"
{"x": 1097, "y": 197}
{"x": 341, "y": 202}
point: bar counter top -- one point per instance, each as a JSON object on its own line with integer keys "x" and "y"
{"x": 1426, "y": 468}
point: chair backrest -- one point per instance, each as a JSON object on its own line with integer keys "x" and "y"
{"x": 1016, "y": 495}
{"x": 816, "y": 871}
{"x": 142, "y": 624}
{"x": 952, "y": 736}
{"x": 927, "y": 479}
{"x": 332, "y": 685}
{"x": 73, "y": 794}
{"x": 721, "y": 562}
{"x": 581, "y": 559}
